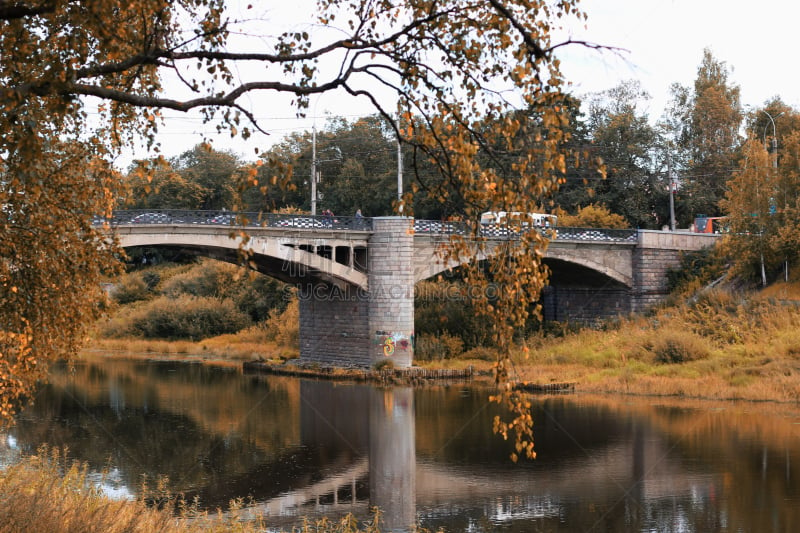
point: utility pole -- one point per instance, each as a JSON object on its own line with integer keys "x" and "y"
{"x": 314, "y": 170}
{"x": 671, "y": 194}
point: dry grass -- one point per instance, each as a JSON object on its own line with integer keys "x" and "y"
{"x": 223, "y": 347}
{"x": 44, "y": 492}
{"x": 719, "y": 347}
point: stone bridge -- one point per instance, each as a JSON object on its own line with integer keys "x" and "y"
{"x": 356, "y": 276}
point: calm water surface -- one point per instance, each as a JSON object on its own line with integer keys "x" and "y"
{"x": 309, "y": 448}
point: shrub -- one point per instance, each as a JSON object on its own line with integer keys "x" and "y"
{"x": 383, "y": 364}
{"x": 481, "y": 352}
{"x": 283, "y": 327}
{"x": 187, "y": 317}
{"x": 593, "y": 216}
{"x": 696, "y": 268}
{"x": 679, "y": 347}
{"x": 208, "y": 278}
{"x": 151, "y": 278}
{"x": 437, "y": 347}
{"x": 254, "y": 294}
{"x": 444, "y": 307}
{"x": 131, "y": 288}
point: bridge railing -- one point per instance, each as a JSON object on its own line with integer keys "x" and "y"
{"x": 233, "y": 219}
{"x": 595, "y": 234}
{"x": 502, "y": 231}
{"x": 350, "y": 223}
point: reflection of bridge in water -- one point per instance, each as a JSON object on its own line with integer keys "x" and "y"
{"x": 356, "y": 276}
{"x": 389, "y": 475}
{"x": 301, "y": 447}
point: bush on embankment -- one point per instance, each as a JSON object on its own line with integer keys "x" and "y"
{"x": 183, "y": 317}
{"x": 191, "y": 302}
{"x": 208, "y": 298}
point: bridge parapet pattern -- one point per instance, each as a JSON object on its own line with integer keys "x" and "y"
{"x": 351, "y": 223}
{"x": 236, "y": 219}
{"x": 507, "y": 232}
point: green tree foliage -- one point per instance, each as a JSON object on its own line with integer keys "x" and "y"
{"x": 706, "y": 121}
{"x": 358, "y": 167}
{"x": 155, "y": 184}
{"x": 356, "y": 163}
{"x": 214, "y": 171}
{"x": 282, "y": 179}
{"x": 635, "y": 185}
{"x": 200, "y": 178}
{"x": 582, "y": 177}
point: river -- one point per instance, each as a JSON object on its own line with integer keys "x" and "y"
{"x": 299, "y": 447}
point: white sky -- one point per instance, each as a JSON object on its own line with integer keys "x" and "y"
{"x": 662, "y": 42}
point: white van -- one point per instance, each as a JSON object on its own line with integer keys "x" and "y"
{"x": 500, "y": 218}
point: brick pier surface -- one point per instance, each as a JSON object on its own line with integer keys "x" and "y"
{"x": 357, "y": 327}
{"x": 655, "y": 254}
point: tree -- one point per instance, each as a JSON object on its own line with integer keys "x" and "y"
{"x": 763, "y": 199}
{"x": 449, "y": 65}
{"x": 747, "y": 205}
{"x": 154, "y": 184}
{"x": 710, "y": 117}
{"x": 214, "y": 172}
{"x": 582, "y": 178}
{"x": 356, "y": 162}
{"x": 635, "y": 185}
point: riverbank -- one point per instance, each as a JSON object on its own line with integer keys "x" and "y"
{"x": 721, "y": 345}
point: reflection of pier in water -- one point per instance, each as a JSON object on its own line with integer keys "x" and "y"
{"x": 642, "y": 468}
{"x": 515, "y": 494}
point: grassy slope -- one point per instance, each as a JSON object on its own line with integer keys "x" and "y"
{"x": 723, "y": 346}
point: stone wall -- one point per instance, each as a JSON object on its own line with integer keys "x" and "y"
{"x": 650, "y": 268}
{"x": 584, "y": 305}
{"x": 655, "y": 254}
{"x": 334, "y": 326}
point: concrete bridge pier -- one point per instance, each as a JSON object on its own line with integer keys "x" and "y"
{"x": 353, "y": 326}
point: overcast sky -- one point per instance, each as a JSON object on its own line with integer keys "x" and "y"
{"x": 665, "y": 39}
{"x": 661, "y": 42}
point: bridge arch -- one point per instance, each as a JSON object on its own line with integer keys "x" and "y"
{"x": 611, "y": 260}
{"x": 290, "y": 258}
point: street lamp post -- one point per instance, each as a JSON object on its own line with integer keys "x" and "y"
{"x": 775, "y": 168}
{"x": 774, "y": 138}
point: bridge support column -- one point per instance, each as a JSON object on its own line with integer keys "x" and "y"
{"x": 347, "y": 326}
{"x": 391, "y": 290}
